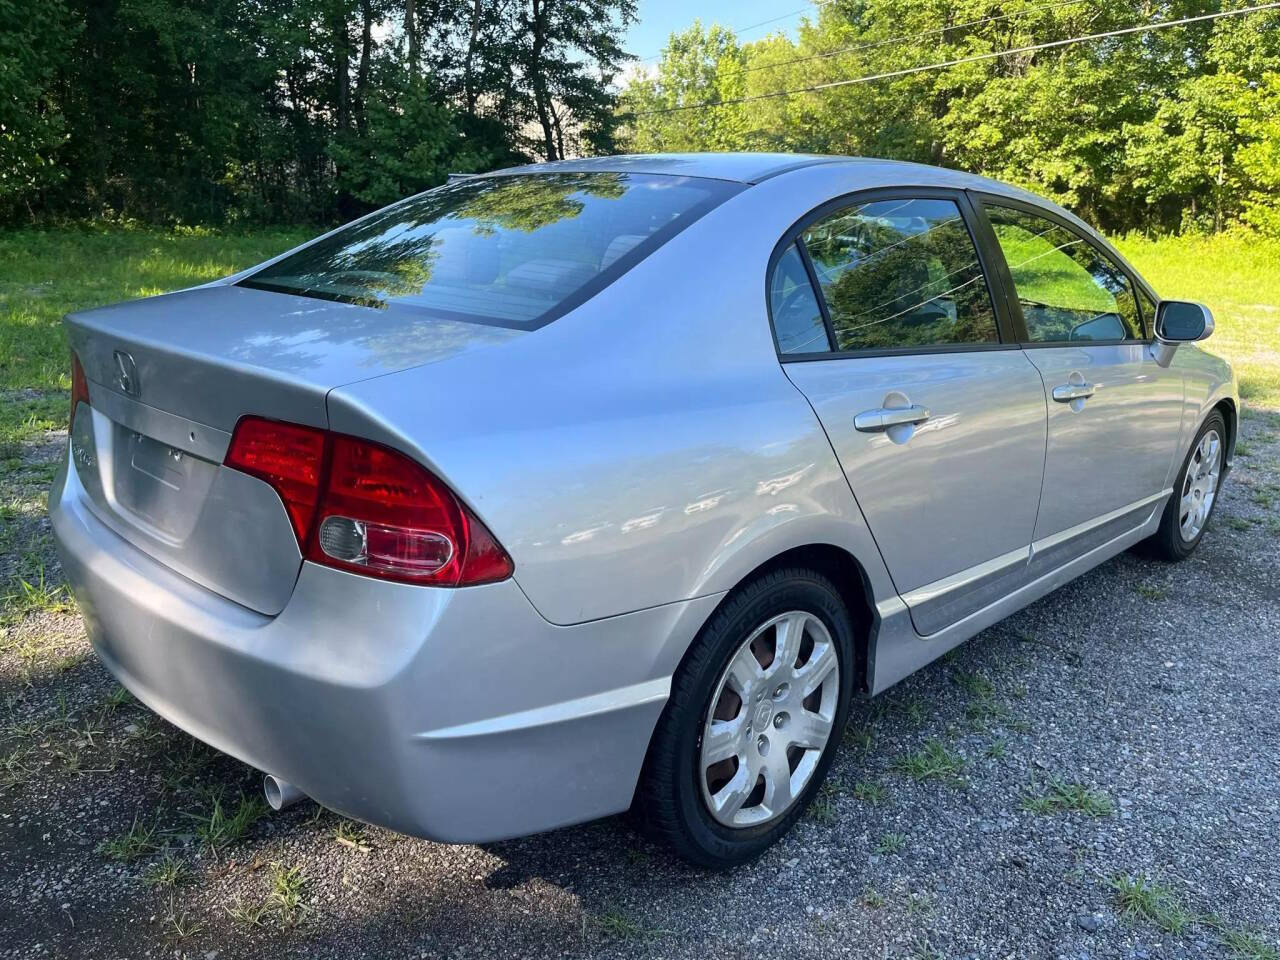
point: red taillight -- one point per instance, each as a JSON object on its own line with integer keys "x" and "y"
{"x": 79, "y": 386}
{"x": 360, "y": 506}
{"x": 287, "y": 456}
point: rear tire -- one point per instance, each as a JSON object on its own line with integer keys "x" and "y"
{"x": 720, "y": 813}
{"x": 1186, "y": 516}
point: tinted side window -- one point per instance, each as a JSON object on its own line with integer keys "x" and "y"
{"x": 901, "y": 273}
{"x": 797, "y": 318}
{"x": 1068, "y": 290}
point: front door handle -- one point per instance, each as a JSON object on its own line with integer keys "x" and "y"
{"x": 877, "y": 421}
{"x": 1066, "y": 392}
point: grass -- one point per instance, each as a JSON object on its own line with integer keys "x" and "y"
{"x": 351, "y": 834}
{"x": 1059, "y": 797}
{"x": 1143, "y": 898}
{"x": 1248, "y": 945}
{"x": 891, "y": 843}
{"x": 1238, "y": 276}
{"x": 1149, "y": 591}
{"x": 288, "y": 884}
{"x": 869, "y": 792}
{"x": 934, "y": 760}
{"x": 859, "y": 738}
{"x": 39, "y": 596}
{"x": 618, "y": 925}
{"x": 178, "y": 924}
{"x": 823, "y": 810}
{"x": 217, "y": 827}
{"x": 137, "y": 841}
{"x": 14, "y": 768}
{"x": 168, "y": 871}
{"x": 249, "y": 914}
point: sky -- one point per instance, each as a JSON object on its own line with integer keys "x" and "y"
{"x": 658, "y": 18}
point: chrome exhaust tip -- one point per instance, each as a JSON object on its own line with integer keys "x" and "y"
{"x": 280, "y": 793}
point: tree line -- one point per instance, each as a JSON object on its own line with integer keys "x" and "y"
{"x": 217, "y": 111}
{"x": 1167, "y": 130}
{"x": 290, "y": 110}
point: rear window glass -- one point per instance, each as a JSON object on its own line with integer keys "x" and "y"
{"x": 510, "y": 250}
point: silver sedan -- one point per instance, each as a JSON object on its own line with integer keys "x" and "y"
{"x": 608, "y": 484}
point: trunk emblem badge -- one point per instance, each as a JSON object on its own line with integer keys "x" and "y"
{"x": 126, "y": 373}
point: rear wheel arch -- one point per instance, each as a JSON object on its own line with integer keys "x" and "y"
{"x": 845, "y": 572}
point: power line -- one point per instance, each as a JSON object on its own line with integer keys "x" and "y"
{"x": 907, "y": 71}
{"x": 737, "y": 31}
{"x": 906, "y": 36}
{"x": 782, "y": 16}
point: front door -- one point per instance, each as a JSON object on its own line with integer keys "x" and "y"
{"x": 1114, "y": 413}
{"x": 939, "y": 425}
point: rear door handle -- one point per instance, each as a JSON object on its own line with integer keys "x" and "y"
{"x": 1066, "y": 392}
{"x": 879, "y": 420}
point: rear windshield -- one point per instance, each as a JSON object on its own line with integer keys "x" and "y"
{"x": 516, "y": 251}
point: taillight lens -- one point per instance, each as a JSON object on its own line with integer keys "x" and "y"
{"x": 287, "y": 456}
{"x": 79, "y": 386}
{"x": 360, "y": 506}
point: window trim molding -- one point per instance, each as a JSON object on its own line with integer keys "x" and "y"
{"x": 1005, "y": 328}
{"x": 981, "y": 199}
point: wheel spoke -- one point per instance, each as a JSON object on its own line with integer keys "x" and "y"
{"x": 777, "y": 782}
{"x": 811, "y": 730}
{"x": 788, "y": 635}
{"x": 728, "y": 800}
{"x": 745, "y": 673}
{"x": 815, "y": 672}
{"x": 722, "y": 740}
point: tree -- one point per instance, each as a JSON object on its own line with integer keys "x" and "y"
{"x": 32, "y": 127}
{"x": 697, "y": 67}
{"x": 1132, "y": 131}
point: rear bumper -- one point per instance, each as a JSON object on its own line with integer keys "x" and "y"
{"x": 457, "y": 715}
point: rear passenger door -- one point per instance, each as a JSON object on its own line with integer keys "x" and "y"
{"x": 1114, "y": 414}
{"x": 885, "y": 321}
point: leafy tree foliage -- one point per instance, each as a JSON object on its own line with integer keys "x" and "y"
{"x": 1164, "y": 130}
{"x": 211, "y": 110}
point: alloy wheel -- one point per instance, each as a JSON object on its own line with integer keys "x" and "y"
{"x": 1200, "y": 485}
{"x": 769, "y": 720}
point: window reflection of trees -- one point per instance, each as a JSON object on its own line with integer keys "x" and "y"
{"x": 901, "y": 274}
{"x": 394, "y": 254}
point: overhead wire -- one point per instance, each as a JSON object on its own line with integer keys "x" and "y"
{"x": 974, "y": 58}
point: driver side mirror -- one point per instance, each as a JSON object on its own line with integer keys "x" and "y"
{"x": 1179, "y": 321}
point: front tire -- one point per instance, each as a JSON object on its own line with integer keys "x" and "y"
{"x": 1195, "y": 493}
{"x": 753, "y": 721}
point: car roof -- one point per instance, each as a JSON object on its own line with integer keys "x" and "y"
{"x": 755, "y": 167}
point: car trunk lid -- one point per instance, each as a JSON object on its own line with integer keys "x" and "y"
{"x": 170, "y": 376}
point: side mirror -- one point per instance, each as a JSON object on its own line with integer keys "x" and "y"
{"x": 1183, "y": 321}
{"x": 1179, "y": 321}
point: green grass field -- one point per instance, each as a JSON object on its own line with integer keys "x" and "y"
{"x": 1238, "y": 276}
{"x": 46, "y": 273}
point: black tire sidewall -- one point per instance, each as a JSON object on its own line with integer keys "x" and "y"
{"x": 1171, "y": 533}
{"x": 797, "y": 590}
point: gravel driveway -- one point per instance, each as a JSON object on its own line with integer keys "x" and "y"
{"x": 1098, "y": 776}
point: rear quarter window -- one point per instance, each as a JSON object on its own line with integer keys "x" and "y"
{"x": 515, "y": 250}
